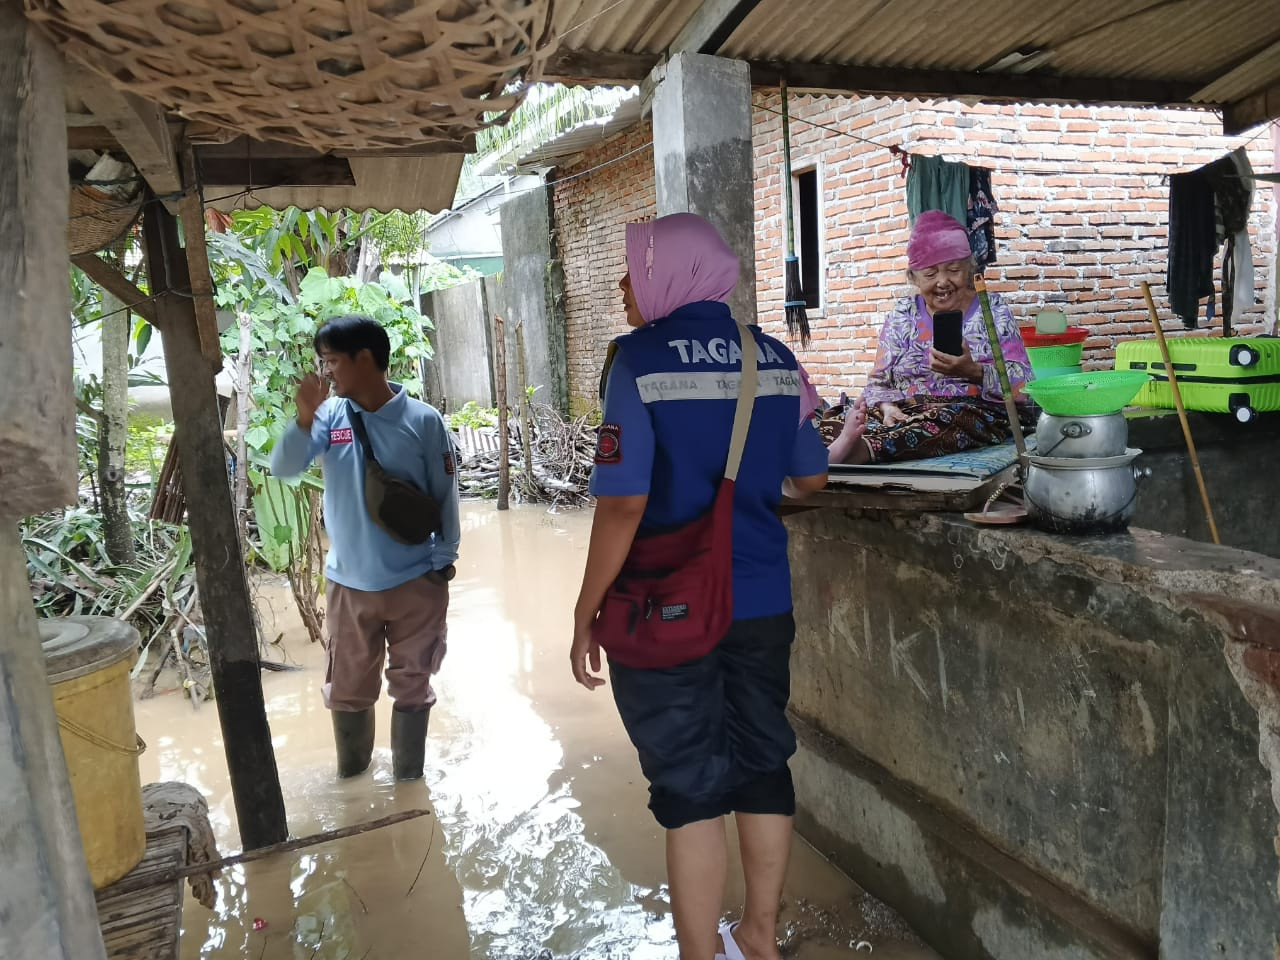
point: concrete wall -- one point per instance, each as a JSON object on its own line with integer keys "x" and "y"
{"x": 1034, "y": 746}
{"x": 462, "y": 369}
{"x": 534, "y": 290}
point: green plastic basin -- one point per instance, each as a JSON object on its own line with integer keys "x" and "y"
{"x": 1087, "y": 394}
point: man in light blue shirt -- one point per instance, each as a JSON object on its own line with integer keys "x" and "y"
{"x": 385, "y": 598}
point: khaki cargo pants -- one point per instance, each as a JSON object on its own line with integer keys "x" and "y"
{"x": 405, "y": 625}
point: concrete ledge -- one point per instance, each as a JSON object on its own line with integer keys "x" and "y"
{"x": 966, "y": 897}
{"x": 1102, "y": 713}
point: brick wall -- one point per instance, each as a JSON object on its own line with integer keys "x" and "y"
{"x": 590, "y": 212}
{"x": 1083, "y": 218}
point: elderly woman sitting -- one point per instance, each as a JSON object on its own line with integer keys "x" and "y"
{"x": 920, "y": 402}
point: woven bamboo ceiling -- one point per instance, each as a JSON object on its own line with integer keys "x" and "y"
{"x": 1222, "y": 54}
{"x": 362, "y": 103}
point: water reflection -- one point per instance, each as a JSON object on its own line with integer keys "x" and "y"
{"x": 540, "y": 845}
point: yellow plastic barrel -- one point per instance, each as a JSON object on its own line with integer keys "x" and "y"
{"x": 88, "y": 660}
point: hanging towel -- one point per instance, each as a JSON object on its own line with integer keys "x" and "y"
{"x": 937, "y": 184}
{"x": 960, "y": 190}
{"x": 1193, "y": 241}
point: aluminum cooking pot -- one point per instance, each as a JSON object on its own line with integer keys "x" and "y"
{"x": 1091, "y": 437}
{"x": 1082, "y": 495}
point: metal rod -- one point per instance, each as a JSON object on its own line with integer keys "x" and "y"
{"x": 1002, "y": 371}
{"x": 1182, "y": 412}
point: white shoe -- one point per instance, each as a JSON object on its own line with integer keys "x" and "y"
{"x": 731, "y": 949}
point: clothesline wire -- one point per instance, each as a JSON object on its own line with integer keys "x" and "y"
{"x": 594, "y": 16}
{"x": 1045, "y": 171}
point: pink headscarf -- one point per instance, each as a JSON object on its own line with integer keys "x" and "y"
{"x": 936, "y": 238}
{"x": 675, "y": 260}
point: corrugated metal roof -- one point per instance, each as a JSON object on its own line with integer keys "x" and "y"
{"x": 398, "y": 183}
{"x": 1227, "y": 49}
{"x": 581, "y": 138}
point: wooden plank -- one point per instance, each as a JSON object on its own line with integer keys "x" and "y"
{"x": 590, "y": 67}
{"x": 220, "y": 572}
{"x": 191, "y": 209}
{"x": 117, "y": 284}
{"x": 263, "y": 172}
{"x": 711, "y": 26}
{"x": 140, "y": 127}
{"x": 91, "y": 137}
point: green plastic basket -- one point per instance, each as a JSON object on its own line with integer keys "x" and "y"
{"x": 1087, "y": 394}
{"x": 1044, "y": 373}
{"x": 1055, "y": 357}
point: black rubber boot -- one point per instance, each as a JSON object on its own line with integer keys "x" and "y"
{"x": 408, "y": 742}
{"x": 353, "y": 734}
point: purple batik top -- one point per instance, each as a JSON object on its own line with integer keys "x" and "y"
{"x": 902, "y": 361}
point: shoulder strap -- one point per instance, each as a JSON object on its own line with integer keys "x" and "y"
{"x": 746, "y": 401}
{"x": 609, "y": 357}
{"x": 357, "y": 424}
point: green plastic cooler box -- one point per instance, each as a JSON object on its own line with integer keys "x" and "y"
{"x": 1236, "y": 375}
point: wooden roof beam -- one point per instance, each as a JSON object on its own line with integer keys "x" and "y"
{"x": 930, "y": 84}
{"x": 1252, "y": 110}
{"x": 711, "y": 26}
{"x": 590, "y": 67}
{"x": 118, "y": 285}
{"x": 138, "y": 126}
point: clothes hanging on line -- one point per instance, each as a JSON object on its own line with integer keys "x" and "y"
{"x": 1193, "y": 241}
{"x": 1207, "y": 207}
{"x": 960, "y": 190}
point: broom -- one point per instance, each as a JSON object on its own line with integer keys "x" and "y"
{"x": 797, "y": 320}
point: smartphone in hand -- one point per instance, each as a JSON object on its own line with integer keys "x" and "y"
{"x": 948, "y": 332}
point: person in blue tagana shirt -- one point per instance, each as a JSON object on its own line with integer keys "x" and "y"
{"x": 712, "y": 733}
{"x": 386, "y": 599}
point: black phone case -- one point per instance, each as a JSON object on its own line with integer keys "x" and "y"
{"x": 948, "y": 332}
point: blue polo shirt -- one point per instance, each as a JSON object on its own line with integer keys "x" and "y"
{"x": 668, "y": 413}
{"x": 412, "y": 443}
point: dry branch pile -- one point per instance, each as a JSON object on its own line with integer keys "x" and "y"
{"x": 562, "y": 452}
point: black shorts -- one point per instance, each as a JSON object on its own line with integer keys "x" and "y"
{"x": 713, "y": 734}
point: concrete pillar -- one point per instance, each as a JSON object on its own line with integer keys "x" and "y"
{"x": 702, "y": 155}
{"x": 46, "y": 902}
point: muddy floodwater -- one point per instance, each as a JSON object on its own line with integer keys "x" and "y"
{"x": 539, "y": 845}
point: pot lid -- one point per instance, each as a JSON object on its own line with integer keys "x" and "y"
{"x": 77, "y": 646}
{"x": 1085, "y": 463}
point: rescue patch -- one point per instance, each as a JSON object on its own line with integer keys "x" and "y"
{"x": 450, "y": 463}
{"x": 340, "y": 435}
{"x": 609, "y": 443}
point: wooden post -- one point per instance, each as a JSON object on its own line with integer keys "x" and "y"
{"x": 526, "y": 412}
{"x": 220, "y": 573}
{"x": 504, "y": 433}
{"x": 46, "y": 900}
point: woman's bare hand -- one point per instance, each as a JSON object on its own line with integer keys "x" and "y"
{"x": 892, "y": 414}
{"x": 585, "y": 651}
{"x": 963, "y": 367}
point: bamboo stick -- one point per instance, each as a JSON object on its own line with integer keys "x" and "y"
{"x": 504, "y": 440}
{"x": 1182, "y": 412}
{"x": 1002, "y": 371}
{"x": 287, "y": 846}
